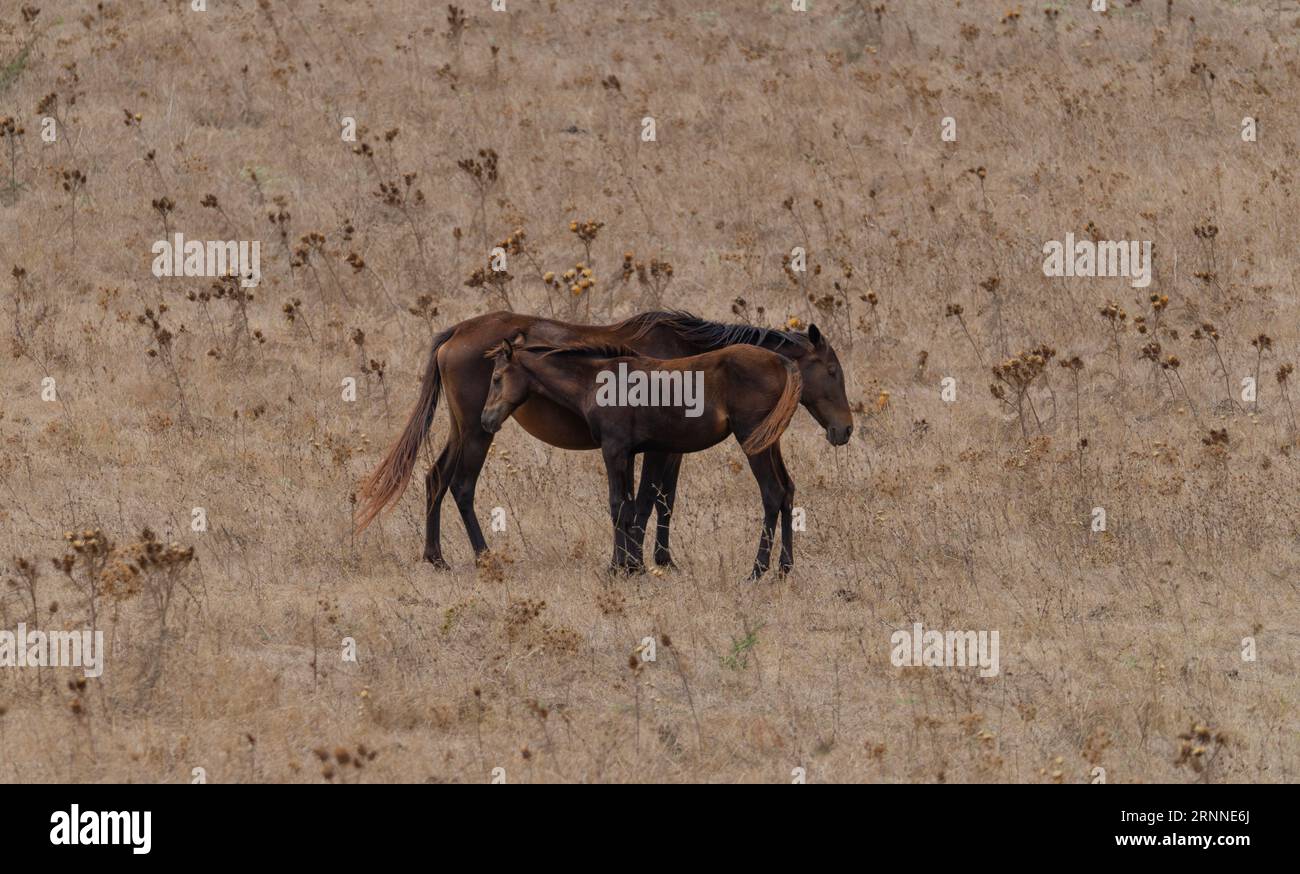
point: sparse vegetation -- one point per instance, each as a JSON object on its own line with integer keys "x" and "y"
{"x": 225, "y": 645}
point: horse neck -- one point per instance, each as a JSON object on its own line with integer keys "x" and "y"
{"x": 564, "y": 382}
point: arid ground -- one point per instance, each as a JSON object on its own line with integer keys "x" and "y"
{"x": 714, "y": 138}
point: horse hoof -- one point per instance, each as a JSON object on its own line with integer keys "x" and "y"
{"x": 438, "y": 562}
{"x": 666, "y": 562}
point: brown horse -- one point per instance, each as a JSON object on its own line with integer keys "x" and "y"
{"x": 634, "y": 404}
{"x": 456, "y": 362}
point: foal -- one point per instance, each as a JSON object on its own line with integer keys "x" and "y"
{"x": 741, "y": 390}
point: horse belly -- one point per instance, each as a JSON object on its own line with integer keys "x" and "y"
{"x": 553, "y": 424}
{"x": 685, "y": 434}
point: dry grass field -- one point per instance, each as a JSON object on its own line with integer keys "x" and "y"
{"x": 1122, "y": 649}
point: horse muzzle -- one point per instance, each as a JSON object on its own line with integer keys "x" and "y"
{"x": 838, "y": 435}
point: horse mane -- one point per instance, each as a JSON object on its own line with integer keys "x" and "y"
{"x": 707, "y": 334}
{"x": 587, "y": 349}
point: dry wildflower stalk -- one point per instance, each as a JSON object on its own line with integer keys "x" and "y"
{"x": 482, "y": 171}
{"x": 25, "y": 328}
{"x": 956, "y": 311}
{"x": 653, "y": 277}
{"x": 586, "y": 232}
{"x": 74, "y": 182}
{"x": 100, "y": 569}
{"x": 1015, "y": 376}
{"x": 1262, "y": 343}
{"x": 1150, "y": 351}
{"x": 1216, "y": 437}
{"x": 335, "y": 763}
{"x": 10, "y": 132}
{"x": 516, "y": 244}
{"x": 799, "y": 279}
{"x": 980, "y": 174}
{"x": 371, "y": 366}
{"x": 1118, "y": 319}
{"x": 1074, "y": 364}
{"x": 424, "y": 309}
{"x": 1209, "y": 333}
{"x": 992, "y": 286}
{"x": 457, "y": 23}
{"x": 667, "y": 644}
{"x": 293, "y": 313}
{"x": 487, "y": 277}
{"x": 311, "y": 248}
{"x": 1208, "y": 233}
{"x": 635, "y": 664}
{"x": 490, "y": 277}
{"x": 164, "y": 206}
{"x": 1283, "y": 376}
{"x": 280, "y": 218}
{"x": 491, "y": 567}
{"x": 740, "y": 308}
{"x": 229, "y": 289}
{"x": 1172, "y": 364}
{"x": 405, "y": 198}
{"x": 210, "y": 201}
{"x": 85, "y": 568}
{"x": 1199, "y": 747}
{"x": 578, "y": 280}
{"x": 27, "y": 580}
{"x": 160, "y": 348}
{"x": 872, "y": 300}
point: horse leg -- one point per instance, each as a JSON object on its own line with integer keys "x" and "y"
{"x": 622, "y": 507}
{"x": 436, "y": 482}
{"x": 652, "y": 467}
{"x": 787, "y": 505}
{"x": 465, "y": 398}
{"x": 769, "y": 483}
{"x": 473, "y": 451}
{"x": 665, "y": 495}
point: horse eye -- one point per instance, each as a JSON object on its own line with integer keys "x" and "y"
{"x": 496, "y": 377}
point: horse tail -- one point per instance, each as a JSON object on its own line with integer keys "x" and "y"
{"x": 769, "y": 430}
{"x": 389, "y": 479}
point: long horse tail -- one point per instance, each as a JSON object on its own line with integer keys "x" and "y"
{"x": 388, "y": 481}
{"x": 771, "y": 428}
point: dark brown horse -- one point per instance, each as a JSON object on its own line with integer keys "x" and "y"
{"x": 634, "y": 404}
{"x": 456, "y": 363}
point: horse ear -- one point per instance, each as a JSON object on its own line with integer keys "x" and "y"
{"x": 508, "y": 349}
{"x": 519, "y": 339}
{"x": 815, "y": 335}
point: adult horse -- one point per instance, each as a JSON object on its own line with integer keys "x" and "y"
{"x": 457, "y": 364}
